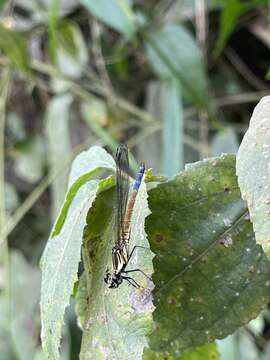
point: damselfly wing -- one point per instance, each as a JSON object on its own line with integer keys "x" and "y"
{"x": 125, "y": 204}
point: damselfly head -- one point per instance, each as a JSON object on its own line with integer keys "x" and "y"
{"x": 113, "y": 280}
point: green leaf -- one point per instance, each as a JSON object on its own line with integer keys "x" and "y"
{"x": 62, "y": 253}
{"x": 253, "y": 171}
{"x": 173, "y": 53}
{"x": 205, "y": 352}
{"x": 57, "y": 127}
{"x": 210, "y": 275}
{"x": 59, "y": 268}
{"x": 231, "y": 12}
{"x": 115, "y": 321}
{"x": 13, "y": 45}
{"x": 114, "y": 13}
{"x": 86, "y": 165}
{"x": 173, "y": 130}
{"x": 65, "y": 34}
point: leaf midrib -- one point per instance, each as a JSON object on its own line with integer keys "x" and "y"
{"x": 196, "y": 259}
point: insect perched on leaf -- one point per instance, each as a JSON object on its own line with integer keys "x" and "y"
{"x": 125, "y": 204}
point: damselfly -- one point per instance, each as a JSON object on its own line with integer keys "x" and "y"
{"x": 125, "y": 204}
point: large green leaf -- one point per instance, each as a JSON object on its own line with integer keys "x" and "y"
{"x": 115, "y": 13}
{"x": 59, "y": 268}
{"x": 63, "y": 251}
{"x": 210, "y": 275}
{"x": 115, "y": 321}
{"x": 173, "y": 53}
{"x": 253, "y": 171}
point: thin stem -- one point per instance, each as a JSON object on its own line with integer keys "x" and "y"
{"x": 244, "y": 70}
{"x": 3, "y": 239}
{"x": 202, "y": 26}
{"x": 97, "y": 52}
{"x": 97, "y": 88}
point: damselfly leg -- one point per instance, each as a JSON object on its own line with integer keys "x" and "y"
{"x": 136, "y": 270}
{"x": 131, "y": 281}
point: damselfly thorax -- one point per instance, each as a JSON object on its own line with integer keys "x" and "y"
{"x": 125, "y": 205}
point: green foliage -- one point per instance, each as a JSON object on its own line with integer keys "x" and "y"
{"x": 62, "y": 254}
{"x": 13, "y": 45}
{"x": 232, "y": 10}
{"x": 205, "y": 352}
{"x": 173, "y": 53}
{"x": 59, "y": 268}
{"x": 208, "y": 267}
{"x": 141, "y": 76}
{"x": 252, "y": 162}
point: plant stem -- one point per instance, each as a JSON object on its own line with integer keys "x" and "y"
{"x": 4, "y": 86}
{"x": 97, "y": 88}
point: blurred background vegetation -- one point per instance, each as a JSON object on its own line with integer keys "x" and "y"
{"x": 177, "y": 80}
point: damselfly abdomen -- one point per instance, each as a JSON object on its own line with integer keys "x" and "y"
{"x": 125, "y": 203}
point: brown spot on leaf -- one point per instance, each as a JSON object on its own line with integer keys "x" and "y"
{"x": 226, "y": 241}
{"x": 159, "y": 237}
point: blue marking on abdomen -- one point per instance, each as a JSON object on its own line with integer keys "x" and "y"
{"x": 139, "y": 177}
